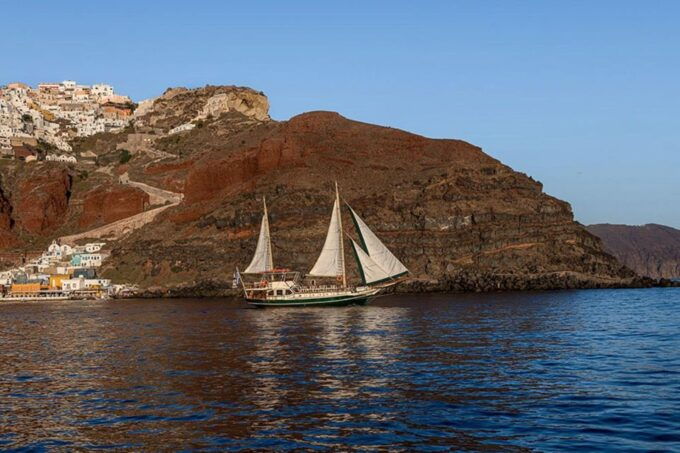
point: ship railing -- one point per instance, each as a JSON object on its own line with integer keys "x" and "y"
{"x": 319, "y": 288}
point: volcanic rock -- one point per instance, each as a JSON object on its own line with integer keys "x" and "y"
{"x": 107, "y": 204}
{"x": 41, "y": 198}
{"x": 7, "y": 238}
{"x": 459, "y": 219}
{"x": 651, "y": 250}
{"x": 178, "y": 106}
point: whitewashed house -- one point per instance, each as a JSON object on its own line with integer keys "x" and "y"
{"x": 73, "y": 284}
{"x": 86, "y": 260}
{"x": 57, "y": 252}
{"x": 66, "y": 158}
{"x": 81, "y": 283}
{"x": 93, "y": 247}
{"x": 92, "y": 283}
{"x": 102, "y": 90}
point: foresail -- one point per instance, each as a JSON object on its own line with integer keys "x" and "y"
{"x": 378, "y": 252}
{"x": 369, "y": 270}
{"x": 330, "y": 261}
{"x": 262, "y": 260}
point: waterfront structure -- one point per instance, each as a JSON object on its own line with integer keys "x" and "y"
{"x": 60, "y": 272}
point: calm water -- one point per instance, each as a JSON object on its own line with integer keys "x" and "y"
{"x": 572, "y": 370}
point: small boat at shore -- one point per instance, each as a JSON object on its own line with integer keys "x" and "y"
{"x": 42, "y": 295}
{"x": 52, "y": 295}
{"x": 378, "y": 268}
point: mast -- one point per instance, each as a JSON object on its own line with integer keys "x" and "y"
{"x": 269, "y": 237}
{"x": 342, "y": 248}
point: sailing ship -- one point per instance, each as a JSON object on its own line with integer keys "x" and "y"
{"x": 378, "y": 268}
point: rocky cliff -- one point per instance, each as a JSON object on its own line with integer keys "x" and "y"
{"x": 106, "y": 204}
{"x": 458, "y": 218}
{"x": 651, "y": 250}
{"x": 178, "y": 106}
{"x": 33, "y": 199}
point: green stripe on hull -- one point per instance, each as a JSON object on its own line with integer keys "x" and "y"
{"x": 327, "y": 301}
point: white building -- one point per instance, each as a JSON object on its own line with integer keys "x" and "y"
{"x": 182, "y": 128}
{"x": 67, "y": 159}
{"x": 93, "y": 247}
{"x": 102, "y": 90}
{"x": 57, "y": 252}
{"x": 86, "y": 260}
{"x": 73, "y": 284}
{"x": 78, "y": 104}
{"x": 92, "y": 283}
{"x": 61, "y": 158}
{"x": 81, "y": 283}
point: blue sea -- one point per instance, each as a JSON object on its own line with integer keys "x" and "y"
{"x": 591, "y": 370}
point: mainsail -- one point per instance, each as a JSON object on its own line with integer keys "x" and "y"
{"x": 376, "y": 250}
{"x": 331, "y": 261}
{"x": 369, "y": 270}
{"x": 262, "y": 260}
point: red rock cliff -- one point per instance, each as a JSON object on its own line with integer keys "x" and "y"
{"x": 41, "y": 198}
{"x": 110, "y": 203}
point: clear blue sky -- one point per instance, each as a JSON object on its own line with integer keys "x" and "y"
{"x": 582, "y": 95}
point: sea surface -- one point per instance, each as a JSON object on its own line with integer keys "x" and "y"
{"x": 548, "y": 371}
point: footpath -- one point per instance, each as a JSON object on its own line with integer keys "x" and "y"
{"x": 122, "y": 227}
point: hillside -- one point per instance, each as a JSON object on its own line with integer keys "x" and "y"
{"x": 459, "y": 219}
{"x": 651, "y": 250}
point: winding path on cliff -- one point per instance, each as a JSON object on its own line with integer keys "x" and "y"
{"x": 122, "y": 227}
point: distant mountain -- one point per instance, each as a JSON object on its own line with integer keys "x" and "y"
{"x": 651, "y": 250}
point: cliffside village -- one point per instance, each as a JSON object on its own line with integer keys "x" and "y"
{"x": 55, "y": 113}
{"x": 61, "y": 272}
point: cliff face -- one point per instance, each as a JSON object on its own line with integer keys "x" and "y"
{"x": 41, "y": 198}
{"x": 7, "y": 239}
{"x": 33, "y": 201}
{"x": 650, "y": 250}
{"x": 178, "y": 106}
{"x": 107, "y": 204}
{"x": 459, "y": 219}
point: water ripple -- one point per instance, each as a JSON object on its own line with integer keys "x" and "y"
{"x": 568, "y": 371}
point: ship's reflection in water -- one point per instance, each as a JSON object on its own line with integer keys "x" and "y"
{"x": 553, "y": 371}
{"x": 321, "y": 363}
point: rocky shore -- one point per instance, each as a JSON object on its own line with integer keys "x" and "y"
{"x": 464, "y": 282}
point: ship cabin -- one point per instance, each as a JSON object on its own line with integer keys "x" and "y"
{"x": 277, "y": 282}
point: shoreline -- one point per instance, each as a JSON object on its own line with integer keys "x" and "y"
{"x": 146, "y": 296}
{"x": 461, "y": 285}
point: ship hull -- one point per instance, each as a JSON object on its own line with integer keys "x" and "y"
{"x": 327, "y": 301}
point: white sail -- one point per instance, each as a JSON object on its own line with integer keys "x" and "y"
{"x": 369, "y": 270}
{"x": 331, "y": 260}
{"x": 262, "y": 260}
{"x": 378, "y": 252}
